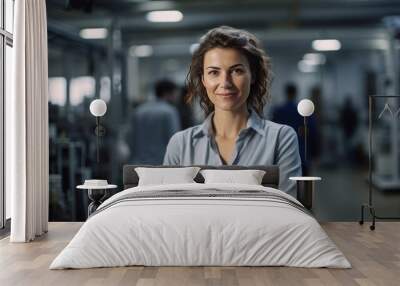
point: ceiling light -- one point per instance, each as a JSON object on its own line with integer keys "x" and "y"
{"x": 326, "y": 45}
{"x": 305, "y": 67}
{"x": 314, "y": 58}
{"x": 93, "y": 33}
{"x": 164, "y": 16}
{"x": 141, "y": 51}
{"x": 381, "y": 44}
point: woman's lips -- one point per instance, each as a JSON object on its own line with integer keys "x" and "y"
{"x": 228, "y": 94}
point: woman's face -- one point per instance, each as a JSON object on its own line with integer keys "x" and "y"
{"x": 227, "y": 78}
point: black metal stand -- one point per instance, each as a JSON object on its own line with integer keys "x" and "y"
{"x": 370, "y": 206}
{"x": 372, "y": 213}
{"x": 96, "y": 197}
{"x": 305, "y": 139}
{"x": 100, "y": 131}
{"x": 305, "y": 193}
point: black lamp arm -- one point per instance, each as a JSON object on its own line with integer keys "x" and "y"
{"x": 305, "y": 139}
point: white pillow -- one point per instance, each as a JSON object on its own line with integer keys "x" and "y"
{"x": 165, "y": 176}
{"x": 248, "y": 177}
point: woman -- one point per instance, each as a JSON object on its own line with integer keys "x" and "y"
{"x": 231, "y": 75}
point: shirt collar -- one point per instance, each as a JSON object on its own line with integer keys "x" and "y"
{"x": 254, "y": 122}
{"x": 205, "y": 127}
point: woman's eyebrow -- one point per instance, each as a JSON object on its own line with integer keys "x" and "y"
{"x": 237, "y": 65}
{"x": 234, "y": 66}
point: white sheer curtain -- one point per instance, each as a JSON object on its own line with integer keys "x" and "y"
{"x": 27, "y": 123}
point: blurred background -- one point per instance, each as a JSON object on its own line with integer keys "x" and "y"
{"x": 127, "y": 53}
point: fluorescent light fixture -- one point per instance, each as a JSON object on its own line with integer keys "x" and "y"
{"x": 305, "y": 67}
{"x": 141, "y": 51}
{"x": 194, "y": 47}
{"x": 314, "y": 58}
{"x": 164, "y": 16}
{"x": 94, "y": 33}
{"x": 326, "y": 45}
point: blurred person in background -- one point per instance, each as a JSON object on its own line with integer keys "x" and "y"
{"x": 230, "y": 75}
{"x": 152, "y": 124}
{"x": 348, "y": 120}
{"x": 287, "y": 112}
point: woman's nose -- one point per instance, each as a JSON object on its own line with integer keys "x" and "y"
{"x": 226, "y": 80}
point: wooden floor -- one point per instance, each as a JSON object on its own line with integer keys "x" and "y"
{"x": 375, "y": 256}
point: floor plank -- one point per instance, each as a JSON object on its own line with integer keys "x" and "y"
{"x": 375, "y": 257}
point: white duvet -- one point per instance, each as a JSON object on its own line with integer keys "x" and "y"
{"x": 200, "y": 231}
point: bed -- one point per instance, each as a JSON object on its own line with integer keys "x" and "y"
{"x": 201, "y": 224}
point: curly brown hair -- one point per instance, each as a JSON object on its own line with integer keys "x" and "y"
{"x": 248, "y": 44}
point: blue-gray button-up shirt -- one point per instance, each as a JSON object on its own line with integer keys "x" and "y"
{"x": 262, "y": 142}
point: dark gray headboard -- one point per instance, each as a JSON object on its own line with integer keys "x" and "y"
{"x": 271, "y": 177}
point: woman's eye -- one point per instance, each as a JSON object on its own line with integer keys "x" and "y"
{"x": 238, "y": 71}
{"x": 213, "y": 72}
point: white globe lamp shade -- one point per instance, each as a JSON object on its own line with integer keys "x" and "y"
{"x": 305, "y": 107}
{"x": 98, "y": 107}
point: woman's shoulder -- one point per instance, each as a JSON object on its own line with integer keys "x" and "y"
{"x": 189, "y": 132}
{"x": 270, "y": 126}
{"x": 273, "y": 131}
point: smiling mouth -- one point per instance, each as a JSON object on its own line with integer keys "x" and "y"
{"x": 227, "y": 94}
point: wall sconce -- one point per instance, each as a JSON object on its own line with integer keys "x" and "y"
{"x": 98, "y": 108}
